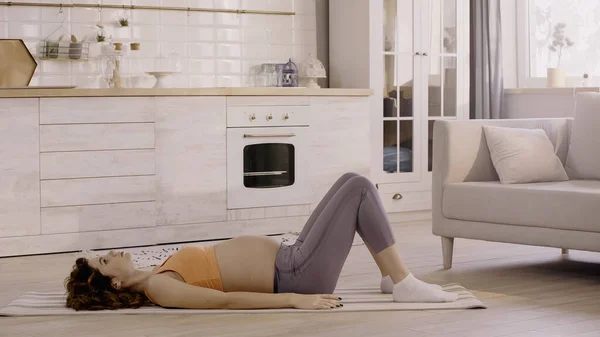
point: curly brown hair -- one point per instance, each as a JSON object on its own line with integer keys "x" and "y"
{"x": 88, "y": 289}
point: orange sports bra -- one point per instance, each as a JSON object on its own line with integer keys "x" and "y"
{"x": 197, "y": 265}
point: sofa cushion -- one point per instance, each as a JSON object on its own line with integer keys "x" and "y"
{"x": 570, "y": 205}
{"x": 523, "y": 155}
{"x": 583, "y": 161}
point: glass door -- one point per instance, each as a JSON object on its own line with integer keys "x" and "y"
{"x": 441, "y": 68}
{"x": 400, "y": 161}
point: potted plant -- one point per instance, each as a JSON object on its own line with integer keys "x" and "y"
{"x": 100, "y": 37}
{"x": 556, "y": 76}
{"x": 75, "y": 48}
{"x": 124, "y": 21}
{"x": 51, "y": 49}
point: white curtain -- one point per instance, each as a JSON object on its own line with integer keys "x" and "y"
{"x": 487, "y": 85}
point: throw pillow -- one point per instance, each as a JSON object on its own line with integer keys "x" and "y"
{"x": 583, "y": 161}
{"x": 523, "y": 155}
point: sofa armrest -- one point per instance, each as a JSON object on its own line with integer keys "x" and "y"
{"x": 460, "y": 152}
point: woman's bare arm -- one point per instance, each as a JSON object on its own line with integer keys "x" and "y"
{"x": 171, "y": 293}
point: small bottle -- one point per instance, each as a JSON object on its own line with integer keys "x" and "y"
{"x": 174, "y": 62}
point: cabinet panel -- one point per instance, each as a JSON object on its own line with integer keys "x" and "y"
{"x": 76, "y": 219}
{"x": 275, "y": 115}
{"x": 266, "y": 100}
{"x": 19, "y": 167}
{"x": 340, "y": 140}
{"x": 94, "y": 164}
{"x": 89, "y": 137}
{"x": 96, "y": 110}
{"x": 191, "y": 160}
{"x": 68, "y": 242}
{"x": 73, "y": 192}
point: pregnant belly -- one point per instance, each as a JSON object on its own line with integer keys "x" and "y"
{"x": 247, "y": 263}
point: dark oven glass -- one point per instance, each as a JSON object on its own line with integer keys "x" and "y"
{"x": 269, "y": 165}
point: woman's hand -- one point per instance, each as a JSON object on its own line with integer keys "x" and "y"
{"x": 313, "y": 302}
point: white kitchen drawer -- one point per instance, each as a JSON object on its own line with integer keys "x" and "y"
{"x": 89, "y": 218}
{"x": 406, "y": 201}
{"x": 264, "y": 116}
{"x": 93, "y": 191}
{"x": 96, "y": 110}
{"x": 95, "y": 164}
{"x": 267, "y": 100}
{"x": 86, "y": 137}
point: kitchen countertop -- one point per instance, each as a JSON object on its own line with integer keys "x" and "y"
{"x": 56, "y": 92}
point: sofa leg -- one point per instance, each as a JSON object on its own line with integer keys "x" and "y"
{"x": 564, "y": 251}
{"x": 447, "y": 250}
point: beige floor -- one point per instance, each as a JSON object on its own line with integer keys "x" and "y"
{"x": 530, "y": 292}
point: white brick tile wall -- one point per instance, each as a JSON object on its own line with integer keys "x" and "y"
{"x": 201, "y": 3}
{"x": 254, "y": 35}
{"x": 284, "y": 6}
{"x": 202, "y": 66}
{"x": 216, "y": 49}
{"x": 255, "y": 4}
{"x": 281, "y": 36}
{"x": 3, "y": 30}
{"x": 227, "y": 4}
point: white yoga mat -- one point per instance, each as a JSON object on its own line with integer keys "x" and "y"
{"x": 354, "y": 299}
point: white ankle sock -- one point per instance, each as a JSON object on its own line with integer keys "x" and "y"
{"x": 411, "y": 289}
{"x": 387, "y": 285}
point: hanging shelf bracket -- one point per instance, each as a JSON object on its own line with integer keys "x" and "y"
{"x": 134, "y": 7}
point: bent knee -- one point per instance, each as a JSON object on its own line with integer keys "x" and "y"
{"x": 360, "y": 181}
{"x": 350, "y": 175}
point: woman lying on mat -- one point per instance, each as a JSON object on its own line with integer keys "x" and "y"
{"x": 257, "y": 272}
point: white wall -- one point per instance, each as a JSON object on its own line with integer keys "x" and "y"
{"x": 218, "y": 49}
{"x": 550, "y": 104}
{"x": 508, "y": 11}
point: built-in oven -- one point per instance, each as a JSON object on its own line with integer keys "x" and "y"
{"x": 267, "y": 157}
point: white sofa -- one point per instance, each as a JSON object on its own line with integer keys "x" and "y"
{"x": 470, "y": 202}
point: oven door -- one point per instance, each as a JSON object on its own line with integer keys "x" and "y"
{"x": 267, "y": 167}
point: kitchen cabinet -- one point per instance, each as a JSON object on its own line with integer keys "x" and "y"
{"x": 191, "y": 160}
{"x": 19, "y": 167}
{"x": 340, "y": 141}
{"x": 97, "y": 167}
{"x": 142, "y": 170}
{"x": 414, "y": 54}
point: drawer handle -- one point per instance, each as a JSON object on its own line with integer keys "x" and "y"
{"x": 397, "y": 196}
{"x": 281, "y": 135}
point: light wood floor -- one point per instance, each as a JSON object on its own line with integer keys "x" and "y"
{"x": 530, "y": 292}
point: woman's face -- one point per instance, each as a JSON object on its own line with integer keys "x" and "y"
{"x": 116, "y": 265}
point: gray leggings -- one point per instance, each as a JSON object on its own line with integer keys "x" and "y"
{"x": 314, "y": 262}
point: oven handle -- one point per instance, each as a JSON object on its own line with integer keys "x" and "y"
{"x": 268, "y": 173}
{"x": 281, "y": 135}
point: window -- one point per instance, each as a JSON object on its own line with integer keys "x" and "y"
{"x": 536, "y": 21}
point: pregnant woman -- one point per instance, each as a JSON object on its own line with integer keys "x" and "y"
{"x": 251, "y": 272}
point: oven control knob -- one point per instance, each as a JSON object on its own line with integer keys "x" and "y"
{"x": 269, "y": 117}
{"x": 253, "y": 117}
{"x": 286, "y": 117}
